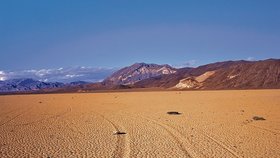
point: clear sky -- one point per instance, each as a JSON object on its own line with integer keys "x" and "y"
{"x": 36, "y": 34}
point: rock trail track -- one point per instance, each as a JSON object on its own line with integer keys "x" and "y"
{"x": 122, "y": 145}
{"x": 184, "y": 144}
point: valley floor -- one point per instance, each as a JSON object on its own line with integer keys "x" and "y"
{"x": 136, "y": 124}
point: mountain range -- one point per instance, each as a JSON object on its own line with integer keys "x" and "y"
{"x": 29, "y": 85}
{"x": 240, "y": 74}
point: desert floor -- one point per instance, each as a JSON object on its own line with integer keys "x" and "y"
{"x": 211, "y": 124}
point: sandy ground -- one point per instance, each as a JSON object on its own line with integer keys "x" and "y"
{"x": 211, "y": 124}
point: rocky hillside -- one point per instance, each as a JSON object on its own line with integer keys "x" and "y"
{"x": 222, "y": 75}
{"x": 138, "y": 72}
{"x": 246, "y": 75}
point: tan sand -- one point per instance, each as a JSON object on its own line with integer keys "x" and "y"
{"x": 212, "y": 124}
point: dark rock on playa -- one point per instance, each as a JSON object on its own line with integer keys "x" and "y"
{"x": 173, "y": 113}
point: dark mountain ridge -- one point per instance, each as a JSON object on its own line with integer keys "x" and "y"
{"x": 226, "y": 75}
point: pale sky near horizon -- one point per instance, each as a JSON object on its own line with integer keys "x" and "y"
{"x": 39, "y": 34}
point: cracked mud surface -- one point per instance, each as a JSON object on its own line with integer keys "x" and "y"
{"x": 211, "y": 124}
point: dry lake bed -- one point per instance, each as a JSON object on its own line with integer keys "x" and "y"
{"x": 231, "y": 123}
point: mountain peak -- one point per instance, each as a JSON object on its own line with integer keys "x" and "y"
{"x": 138, "y": 72}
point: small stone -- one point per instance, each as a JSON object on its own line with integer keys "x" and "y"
{"x": 173, "y": 113}
{"x": 257, "y": 118}
{"x": 118, "y": 133}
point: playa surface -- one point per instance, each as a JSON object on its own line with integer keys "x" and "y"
{"x": 136, "y": 124}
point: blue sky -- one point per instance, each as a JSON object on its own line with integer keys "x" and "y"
{"x": 37, "y": 34}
